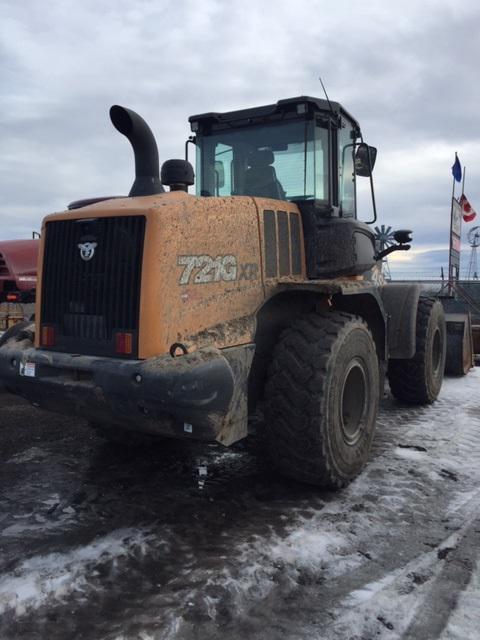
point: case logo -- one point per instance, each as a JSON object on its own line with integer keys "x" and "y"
{"x": 87, "y": 250}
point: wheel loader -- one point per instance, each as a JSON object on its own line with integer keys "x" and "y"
{"x": 174, "y": 315}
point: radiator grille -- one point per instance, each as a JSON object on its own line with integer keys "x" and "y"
{"x": 88, "y": 300}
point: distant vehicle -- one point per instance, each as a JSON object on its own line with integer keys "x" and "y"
{"x": 18, "y": 270}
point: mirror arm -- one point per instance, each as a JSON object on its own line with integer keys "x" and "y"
{"x": 373, "y": 195}
{"x": 372, "y": 190}
{"x": 395, "y": 247}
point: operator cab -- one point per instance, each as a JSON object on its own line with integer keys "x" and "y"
{"x": 304, "y": 150}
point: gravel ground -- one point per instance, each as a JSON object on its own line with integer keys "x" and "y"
{"x": 193, "y": 541}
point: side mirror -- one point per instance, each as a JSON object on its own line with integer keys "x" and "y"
{"x": 402, "y": 236}
{"x": 365, "y": 157}
{"x": 219, "y": 175}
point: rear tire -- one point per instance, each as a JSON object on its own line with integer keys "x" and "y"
{"x": 418, "y": 380}
{"x": 322, "y": 399}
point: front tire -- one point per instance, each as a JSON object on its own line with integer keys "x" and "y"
{"x": 418, "y": 380}
{"x": 322, "y": 399}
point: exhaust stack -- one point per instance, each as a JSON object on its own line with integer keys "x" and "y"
{"x": 132, "y": 126}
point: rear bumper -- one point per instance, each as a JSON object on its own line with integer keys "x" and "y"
{"x": 197, "y": 395}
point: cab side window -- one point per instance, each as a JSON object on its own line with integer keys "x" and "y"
{"x": 223, "y": 170}
{"x": 346, "y": 170}
{"x": 322, "y": 178}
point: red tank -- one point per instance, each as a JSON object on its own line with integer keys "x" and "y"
{"x": 18, "y": 270}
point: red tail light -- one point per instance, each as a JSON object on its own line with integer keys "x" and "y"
{"x": 124, "y": 343}
{"x": 48, "y": 336}
{"x": 13, "y": 297}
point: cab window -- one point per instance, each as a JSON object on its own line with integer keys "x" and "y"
{"x": 284, "y": 161}
{"x": 322, "y": 178}
{"x": 346, "y": 171}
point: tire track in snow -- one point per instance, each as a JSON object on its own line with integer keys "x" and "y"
{"x": 455, "y": 444}
{"x": 400, "y": 501}
{"x": 416, "y": 600}
{"x": 353, "y": 538}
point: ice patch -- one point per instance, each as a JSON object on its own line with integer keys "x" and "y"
{"x": 305, "y": 553}
{"x": 304, "y": 548}
{"x": 56, "y": 575}
{"x": 463, "y": 499}
{"x": 34, "y": 454}
{"x": 408, "y": 454}
{"x": 32, "y": 522}
{"x": 372, "y": 589}
{"x": 18, "y": 529}
{"x": 224, "y": 456}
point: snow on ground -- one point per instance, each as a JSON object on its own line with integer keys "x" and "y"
{"x": 440, "y": 446}
{"x": 57, "y": 575}
{"x": 464, "y": 621}
{"x": 244, "y": 554}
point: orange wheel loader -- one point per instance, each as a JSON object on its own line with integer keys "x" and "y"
{"x": 175, "y": 314}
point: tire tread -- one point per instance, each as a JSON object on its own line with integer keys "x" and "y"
{"x": 407, "y": 378}
{"x": 297, "y": 381}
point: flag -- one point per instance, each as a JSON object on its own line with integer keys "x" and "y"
{"x": 468, "y": 212}
{"x": 457, "y": 169}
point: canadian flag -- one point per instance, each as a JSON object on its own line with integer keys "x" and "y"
{"x": 468, "y": 211}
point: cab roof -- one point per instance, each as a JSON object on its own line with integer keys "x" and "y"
{"x": 291, "y": 107}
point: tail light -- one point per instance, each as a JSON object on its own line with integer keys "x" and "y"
{"x": 124, "y": 343}
{"x": 13, "y": 297}
{"x": 48, "y": 336}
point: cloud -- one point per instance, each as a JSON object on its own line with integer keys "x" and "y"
{"x": 404, "y": 70}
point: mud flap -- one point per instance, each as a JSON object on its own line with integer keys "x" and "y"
{"x": 401, "y": 306}
{"x": 459, "y": 344}
{"x": 235, "y": 422}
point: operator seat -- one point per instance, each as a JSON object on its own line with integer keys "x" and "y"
{"x": 260, "y": 177}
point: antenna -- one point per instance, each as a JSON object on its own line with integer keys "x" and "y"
{"x": 326, "y": 95}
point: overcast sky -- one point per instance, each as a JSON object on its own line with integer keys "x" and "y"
{"x": 408, "y": 71}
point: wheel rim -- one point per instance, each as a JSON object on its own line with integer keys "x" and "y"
{"x": 436, "y": 351}
{"x": 354, "y": 394}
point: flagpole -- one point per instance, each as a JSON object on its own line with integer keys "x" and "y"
{"x": 453, "y": 187}
{"x": 463, "y": 193}
{"x": 450, "y": 266}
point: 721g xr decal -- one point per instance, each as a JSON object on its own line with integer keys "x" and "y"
{"x": 204, "y": 269}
